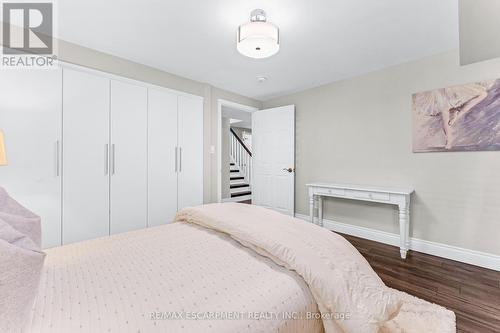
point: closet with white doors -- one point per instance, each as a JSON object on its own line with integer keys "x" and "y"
{"x": 31, "y": 120}
{"x": 132, "y": 155}
{"x": 85, "y": 204}
{"x": 190, "y": 170}
{"x": 95, "y": 154}
{"x": 128, "y": 157}
{"x": 175, "y": 154}
{"x": 162, "y": 157}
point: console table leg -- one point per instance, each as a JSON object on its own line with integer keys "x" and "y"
{"x": 320, "y": 211}
{"x": 311, "y": 208}
{"x": 403, "y": 230}
{"x": 407, "y": 227}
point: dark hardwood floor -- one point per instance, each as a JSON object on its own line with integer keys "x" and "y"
{"x": 472, "y": 292}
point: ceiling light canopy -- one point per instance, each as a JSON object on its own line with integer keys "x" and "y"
{"x": 258, "y": 38}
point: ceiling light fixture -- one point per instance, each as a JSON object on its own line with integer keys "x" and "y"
{"x": 258, "y": 38}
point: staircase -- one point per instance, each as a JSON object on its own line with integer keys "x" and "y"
{"x": 240, "y": 169}
{"x": 240, "y": 188}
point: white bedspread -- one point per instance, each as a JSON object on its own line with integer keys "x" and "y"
{"x": 349, "y": 294}
{"x": 114, "y": 284}
{"x": 184, "y": 277}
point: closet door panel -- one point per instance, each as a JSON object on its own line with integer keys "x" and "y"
{"x": 30, "y": 118}
{"x": 129, "y": 157}
{"x": 85, "y": 158}
{"x": 162, "y": 145}
{"x": 190, "y": 120}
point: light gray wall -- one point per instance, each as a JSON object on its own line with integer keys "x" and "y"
{"x": 360, "y": 131}
{"x": 479, "y": 30}
{"x": 242, "y": 115}
{"x": 90, "y": 58}
{"x": 225, "y": 159}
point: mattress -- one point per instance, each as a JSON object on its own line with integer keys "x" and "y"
{"x": 173, "y": 278}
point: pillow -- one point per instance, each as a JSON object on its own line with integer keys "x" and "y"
{"x": 20, "y": 218}
{"x": 21, "y": 265}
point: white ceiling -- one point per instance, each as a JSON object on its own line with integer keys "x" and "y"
{"x": 321, "y": 40}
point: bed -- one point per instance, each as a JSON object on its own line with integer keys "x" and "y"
{"x": 223, "y": 268}
{"x": 133, "y": 281}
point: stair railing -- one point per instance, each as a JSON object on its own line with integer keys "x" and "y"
{"x": 240, "y": 155}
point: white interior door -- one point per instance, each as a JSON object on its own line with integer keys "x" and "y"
{"x": 128, "y": 157}
{"x": 30, "y": 117}
{"x": 162, "y": 150}
{"x": 190, "y": 152}
{"x": 273, "y": 150}
{"x": 85, "y": 156}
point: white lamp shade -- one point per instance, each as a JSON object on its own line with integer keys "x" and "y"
{"x": 3, "y": 155}
{"x": 258, "y": 39}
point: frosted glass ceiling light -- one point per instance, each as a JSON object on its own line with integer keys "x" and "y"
{"x": 258, "y": 38}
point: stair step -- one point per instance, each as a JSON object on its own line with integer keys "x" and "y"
{"x": 235, "y": 170}
{"x": 236, "y": 178}
{"x": 231, "y": 163}
{"x": 239, "y": 185}
{"x": 238, "y": 199}
{"x": 240, "y": 194}
{"x": 240, "y": 190}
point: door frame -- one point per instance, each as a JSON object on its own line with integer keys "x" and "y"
{"x": 220, "y": 104}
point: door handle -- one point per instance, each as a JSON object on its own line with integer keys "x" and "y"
{"x": 180, "y": 159}
{"x": 290, "y": 170}
{"x": 58, "y": 157}
{"x": 113, "y": 161}
{"x": 176, "y": 159}
{"x": 106, "y": 159}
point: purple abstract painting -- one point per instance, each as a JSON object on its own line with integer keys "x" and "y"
{"x": 461, "y": 118}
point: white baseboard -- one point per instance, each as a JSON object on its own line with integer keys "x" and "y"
{"x": 472, "y": 257}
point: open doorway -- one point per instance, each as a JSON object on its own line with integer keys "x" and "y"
{"x": 235, "y": 153}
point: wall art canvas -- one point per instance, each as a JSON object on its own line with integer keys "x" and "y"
{"x": 460, "y": 118}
